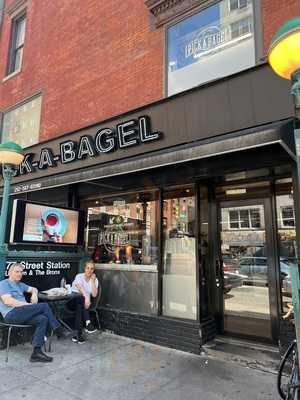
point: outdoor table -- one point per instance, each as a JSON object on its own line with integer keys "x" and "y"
{"x": 57, "y": 304}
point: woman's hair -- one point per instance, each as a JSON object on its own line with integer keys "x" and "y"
{"x": 90, "y": 261}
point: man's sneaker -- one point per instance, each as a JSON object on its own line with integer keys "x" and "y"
{"x": 78, "y": 339}
{"x": 39, "y": 356}
{"x": 90, "y": 328}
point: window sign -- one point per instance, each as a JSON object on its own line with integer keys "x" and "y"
{"x": 124, "y": 230}
{"x": 213, "y": 43}
{"x": 22, "y": 123}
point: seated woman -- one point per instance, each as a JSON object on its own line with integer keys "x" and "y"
{"x": 87, "y": 285}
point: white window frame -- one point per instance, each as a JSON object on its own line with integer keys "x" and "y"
{"x": 239, "y": 5}
{"x": 240, "y": 25}
{"x": 14, "y": 48}
{"x": 283, "y": 219}
{"x": 239, "y": 221}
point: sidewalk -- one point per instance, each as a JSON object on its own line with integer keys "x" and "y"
{"x": 111, "y": 367}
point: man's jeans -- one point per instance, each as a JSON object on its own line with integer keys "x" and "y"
{"x": 38, "y": 315}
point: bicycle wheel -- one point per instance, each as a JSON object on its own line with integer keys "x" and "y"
{"x": 293, "y": 386}
{"x": 287, "y": 373}
{"x": 293, "y": 392}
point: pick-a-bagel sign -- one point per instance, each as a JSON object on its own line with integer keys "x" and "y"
{"x": 127, "y": 134}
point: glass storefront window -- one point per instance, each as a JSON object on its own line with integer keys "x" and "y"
{"x": 179, "y": 254}
{"x": 286, "y": 237}
{"x": 124, "y": 230}
{"x": 216, "y": 42}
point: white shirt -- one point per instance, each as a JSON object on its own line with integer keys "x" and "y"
{"x": 86, "y": 285}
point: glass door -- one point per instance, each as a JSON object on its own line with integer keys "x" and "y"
{"x": 245, "y": 269}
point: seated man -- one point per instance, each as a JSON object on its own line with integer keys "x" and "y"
{"x": 16, "y": 310}
{"x": 87, "y": 285}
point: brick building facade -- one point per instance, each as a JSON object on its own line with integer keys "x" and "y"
{"x": 162, "y": 121}
{"x": 92, "y": 61}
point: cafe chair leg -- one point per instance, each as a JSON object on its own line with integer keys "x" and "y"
{"x": 98, "y": 321}
{"x": 50, "y": 341}
{"x": 8, "y": 341}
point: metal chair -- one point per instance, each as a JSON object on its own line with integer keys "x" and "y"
{"x": 94, "y": 307}
{"x": 21, "y": 326}
{"x": 10, "y": 328}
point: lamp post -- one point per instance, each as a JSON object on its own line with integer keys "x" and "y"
{"x": 11, "y": 155}
{"x": 284, "y": 58}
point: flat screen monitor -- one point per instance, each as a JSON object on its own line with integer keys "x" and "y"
{"x": 44, "y": 224}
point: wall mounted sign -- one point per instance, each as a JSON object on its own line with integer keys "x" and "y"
{"x": 127, "y": 134}
{"x": 46, "y": 273}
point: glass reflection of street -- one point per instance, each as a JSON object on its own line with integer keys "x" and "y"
{"x": 249, "y": 301}
{"x": 245, "y": 270}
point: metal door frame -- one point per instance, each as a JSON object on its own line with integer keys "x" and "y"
{"x": 273, "y": 273}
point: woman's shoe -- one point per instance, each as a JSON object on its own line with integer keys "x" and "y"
{"x": 78, "y": 339}
{"x": 90, "y": 328}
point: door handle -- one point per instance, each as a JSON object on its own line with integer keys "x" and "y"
{"x": 219, "y": 272}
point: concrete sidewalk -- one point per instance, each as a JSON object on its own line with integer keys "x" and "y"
{"x": 115, "y": 368}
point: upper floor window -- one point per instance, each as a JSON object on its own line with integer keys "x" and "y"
{"x": 241, "y": 28}
{"x": 288, "y": 216}
{"x": 237, "y": 4}
{"x": 21, "y": 124}
{"x": 16, "y": 44}
{"x": 211, "y": 44}
{"x": 245, "y": 219}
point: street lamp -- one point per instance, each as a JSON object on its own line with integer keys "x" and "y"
{"x": 11, "y": 155}
{"x": 284, "y": 55}
{"x": 284, "y": 58}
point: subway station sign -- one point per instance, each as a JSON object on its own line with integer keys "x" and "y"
{"x": 127, "y": 134}
{"x": 45, "y": 273}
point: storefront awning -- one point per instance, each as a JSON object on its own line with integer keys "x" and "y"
{"x": 274, "y": 133}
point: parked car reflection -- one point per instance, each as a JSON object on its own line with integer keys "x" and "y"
{"x": 231, "y": 281}
{"x": 256, "y": 271}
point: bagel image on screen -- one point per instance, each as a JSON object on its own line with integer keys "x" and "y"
{"x": 50, "y": 225}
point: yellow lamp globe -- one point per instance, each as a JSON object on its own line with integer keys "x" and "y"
{"x": 284, "y": 52}
{"x": 11, "y": 153}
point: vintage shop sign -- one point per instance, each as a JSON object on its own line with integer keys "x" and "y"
{"x": 127, "y": 134}
{"x": 115, "y": 235}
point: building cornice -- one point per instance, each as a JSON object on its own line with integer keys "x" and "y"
{"x": 166, "y": 10}
{"x": 15, "y": 6}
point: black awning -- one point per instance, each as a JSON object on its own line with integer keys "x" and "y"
{"x": 275, "y": 133}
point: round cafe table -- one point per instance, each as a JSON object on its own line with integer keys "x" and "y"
{"x": 57, "y": 305}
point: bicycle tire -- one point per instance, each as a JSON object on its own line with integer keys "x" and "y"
{"x": 293, "y": 392}
{"x": 280, "y": 371}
